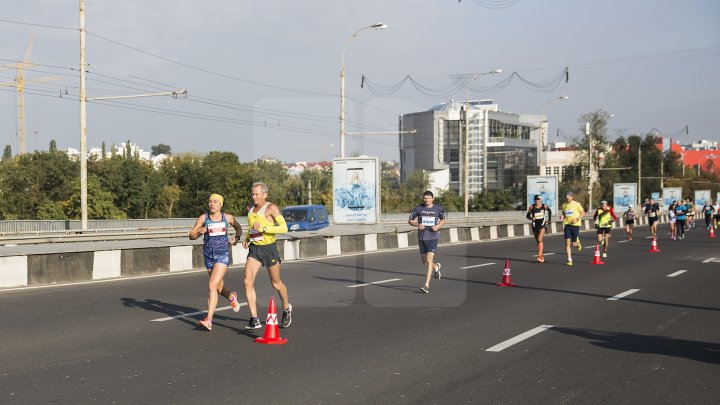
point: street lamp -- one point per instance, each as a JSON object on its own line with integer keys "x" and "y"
{"x": 377, "y": 26}
{"x": 543, "y": 130}
{"x": 466, "y": 181}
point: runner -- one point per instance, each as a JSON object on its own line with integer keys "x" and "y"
{"x": 681, "y": 213}
{"x": 428, "y": 217}
{"x": 652, "y": 210}
{"x": 604, "y": 220}
{"x": 690, "y": 206}
{"x": 265, "y": 221}
{"x": 708, "y": 211}
{"x": 673, "y": 218}
{"x": 540, "y": 215}
{"x": 629, "y": 217}
{"x": 571, "y": 215}
{"x": 716, "y": 218}
{"x": 213, "y": 226}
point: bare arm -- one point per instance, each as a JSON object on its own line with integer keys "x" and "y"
{"x": 198, "y": 229}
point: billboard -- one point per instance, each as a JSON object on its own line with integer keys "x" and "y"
{"x": 624, "y": 196}
{"x": 670, "y": 194}
{"x": 356, "y": 190}
{"x": 544, "y": 186}
{"x": 701, "y": 197}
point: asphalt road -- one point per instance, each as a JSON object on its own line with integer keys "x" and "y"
{"x": 126, "y": 341}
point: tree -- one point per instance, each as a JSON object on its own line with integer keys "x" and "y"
{"x": 161, "y": 149}
{"x": 53, "y": 146}
{"x": 7, "y": 154}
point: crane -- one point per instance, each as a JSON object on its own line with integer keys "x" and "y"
{"x": 19, "y": 84}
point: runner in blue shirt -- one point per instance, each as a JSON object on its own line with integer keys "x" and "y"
{"x": 681, "y": 213}
{"x": 428, "y": 218}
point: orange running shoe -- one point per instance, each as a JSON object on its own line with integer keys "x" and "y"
{"x": 234, "y": 302}
{"x": 205, "y": 323}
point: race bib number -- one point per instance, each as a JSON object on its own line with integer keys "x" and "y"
{"x": 216, "y": 229}
{"x": 569, "y": 213}
{"x": 652, "y": 214}
{"x": 539, "y": 215}
{"x": 256, "y": 236}
{"x": 427, "y": 221}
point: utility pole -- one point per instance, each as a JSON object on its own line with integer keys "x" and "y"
{"x": 83, "y": 123}
{"x": 309, "y": 190}
{"x": 590, "y": 173}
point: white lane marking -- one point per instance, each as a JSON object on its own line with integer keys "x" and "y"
{"x": 519, "y": 338}
{"x": 623, "y": 241}
{"x": 546, "y": 254}
{"x": 477, "y": 265}
{"x": 708, "y": 260}
{"x": 677, "y": 273}
{"x": 623, "y": 295}
{"x": 183, "y": 315}
{"x": 374, "y": 282}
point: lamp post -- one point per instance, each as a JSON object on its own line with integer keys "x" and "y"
{"x": 543, "y": 130}
{"x": 590, "y": 160}
{"x": 466, "y": 158}
{"x": 377, "y": 26}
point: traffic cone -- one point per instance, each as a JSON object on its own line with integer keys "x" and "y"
{"x": 712, "y": 232}
{"x": 653, "y": 247}
{"x": 272, "y": 333}
{"x": 596, "y": 258}
{"x": 506, "y": 277}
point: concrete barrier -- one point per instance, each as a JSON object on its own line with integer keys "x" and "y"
{"x": 74, "y": 266}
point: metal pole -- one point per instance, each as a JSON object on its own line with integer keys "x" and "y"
{"x": 590, "y": 173}
{"x": 466, "y": 187}
{"x": 639, "y": 193}
{"x": 342, "y": 105}
{"x": 83, "y": 123}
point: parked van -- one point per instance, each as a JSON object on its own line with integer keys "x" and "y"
{"x": 305, "y": 217}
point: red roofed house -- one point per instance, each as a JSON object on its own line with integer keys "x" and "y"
{"x": 707, "y": 159}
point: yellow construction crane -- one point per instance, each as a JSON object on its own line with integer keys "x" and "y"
{"x": 19, "y": 84}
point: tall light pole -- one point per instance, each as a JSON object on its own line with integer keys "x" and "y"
{"x": 543, "y": 130}
{"x": 377, "y": 26}
{"x": 591, "y": 177}
{"x": 466, "y": 159}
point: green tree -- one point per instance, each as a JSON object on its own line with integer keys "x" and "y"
{"x": 7, "y": 154}
{"x": 53, "y": 146}
{"x": 100, "y": 202}
{"x": 161, "y": 149}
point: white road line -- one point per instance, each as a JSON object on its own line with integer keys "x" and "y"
{"x": 547, "y": 254}
{"x": 519, "y": 338}
{"x": 708, "y": 260}
{"x": 622, "y": 295}
{"x": 477, "y": 265}
{"x": 193, "y": 313}
{"x": 374, "y": 282}
{"x": 677, "y": 273}
{"x": 623, "y": 241}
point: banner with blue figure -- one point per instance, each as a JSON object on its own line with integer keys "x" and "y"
{"x": 702, "y": 197}
{"x": 356, "y": 187}
{"x": 544, "y": 186}
{"x": 670, "y": 194}
{"x": 624, "y": 196}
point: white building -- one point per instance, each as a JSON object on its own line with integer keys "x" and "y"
{"x": 503, "y": 148}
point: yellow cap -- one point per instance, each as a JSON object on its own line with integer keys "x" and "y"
{"x": 217, "y": 197}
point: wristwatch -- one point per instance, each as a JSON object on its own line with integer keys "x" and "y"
{"x": 264, "y": 229}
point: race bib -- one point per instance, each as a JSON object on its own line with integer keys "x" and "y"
{"x": 427, "y": 221}
{"x": 256, "y": 236}
{"x": 569, "y": 213}
{"x": 539, "y": 215}
{"x": 652, "y": 214}
{"x": 216, "y": 229}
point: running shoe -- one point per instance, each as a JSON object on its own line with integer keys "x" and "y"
{"x": 604, "y": 254}
{"x": 682, "y": 236}
{"x": 436, "y": 272}
{"x": 425, "y": 289}
{"x": 602, "y": 242}
{"x": 579, "y": 245}
{"x": 253, "y": 323}
{"x": 541, "y": 258}
{"x": 287, "y": 316}
{"x": 205, "y": 323}
{"x": 569, "y": 263}
{"x": 234, "y": 302}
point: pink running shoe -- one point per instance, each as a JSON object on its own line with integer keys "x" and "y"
{"x": 234, "y": 302}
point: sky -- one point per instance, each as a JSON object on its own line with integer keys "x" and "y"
{"x": 263, "y": 77}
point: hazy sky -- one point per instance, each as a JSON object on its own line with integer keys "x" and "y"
{"x": 263, "y": 77}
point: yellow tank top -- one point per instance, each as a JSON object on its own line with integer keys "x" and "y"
{"x": 259, "y": 237}
{"x": 571, "y": 211}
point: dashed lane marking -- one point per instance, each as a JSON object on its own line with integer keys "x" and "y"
{"x": 677, "y": 273}
{"x": 708, "y": 260}
{"x": 519, "y": 338}
{"x": 187, "y": 315}
{"x": 477, "y": 265}
{"x": 374, "y": 282}
{"x": 623, "y": 295}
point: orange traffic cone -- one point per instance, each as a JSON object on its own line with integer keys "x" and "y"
{"x": 272, "y": 333}
{"x": 653, "y": 247}
{"x": 712, "y": 232}
{"x": 596, "y": 258}
{"x": 506, "y": 277}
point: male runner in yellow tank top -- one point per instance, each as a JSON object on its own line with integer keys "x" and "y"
{"x": 264, "y": 221}
{"x": 571, "y": 215}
